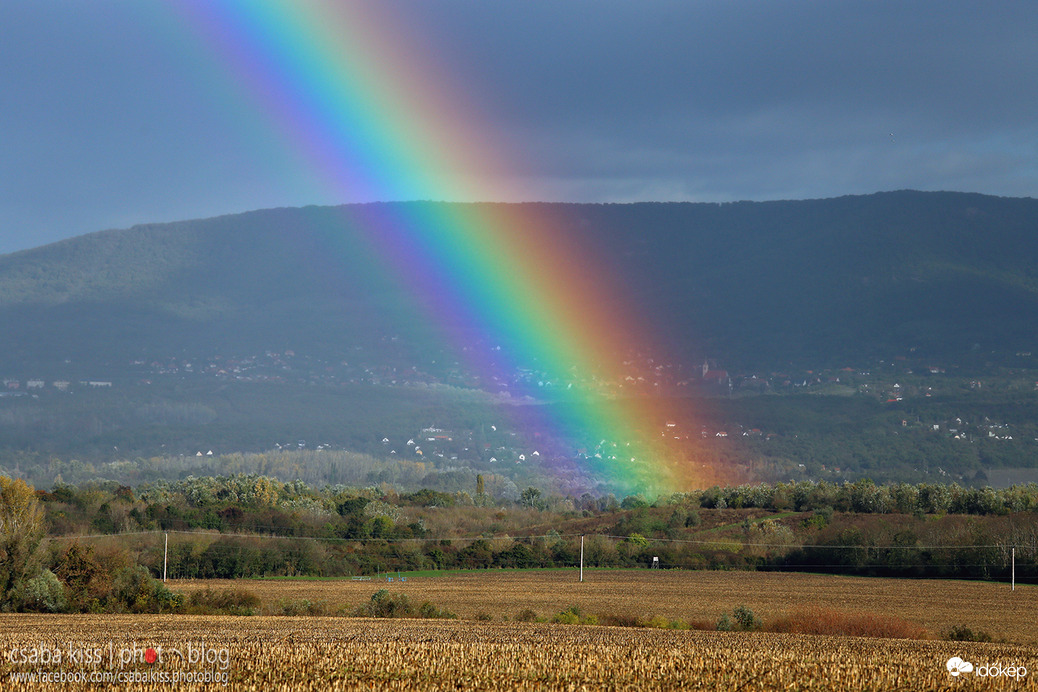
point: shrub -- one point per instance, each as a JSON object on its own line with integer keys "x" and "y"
{"x": 820, "y": 518}
{"x": 88, "y": 583}
{"x": 526, "y": 615}
{"x": 484, "y": 616}
{"x": 134, "y": 590}
{"x": 428, "y": 610}
{"x": 386, "y": 605}
{"x": 745, "y": 618}
{"x": 43, "y": 593}
{"x": 633, "y": 502}
{"x": 834, "y": 623}
{"x": 566, "y": 617}
{"x": 742, "y": 619}
{"x": 223, "y": 602}
{"x": 620, "y": 620}
{"x": 574, "y": 616}
{"x": 961, "y": 633}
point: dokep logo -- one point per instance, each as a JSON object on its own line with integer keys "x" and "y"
{"x": 956, "y": 666}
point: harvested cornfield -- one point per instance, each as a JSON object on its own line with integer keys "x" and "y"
{"x": 936, "y": 605}
{"x": 271, "y": 653}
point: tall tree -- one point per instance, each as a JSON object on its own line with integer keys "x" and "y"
{"x": 21, "y": 527}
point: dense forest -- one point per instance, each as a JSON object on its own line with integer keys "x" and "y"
{"x": 101, "y": 546}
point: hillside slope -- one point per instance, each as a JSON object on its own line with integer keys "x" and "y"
{"x": 753, "y": 284}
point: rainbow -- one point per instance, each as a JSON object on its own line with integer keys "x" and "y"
{"x": 359, "y": 97}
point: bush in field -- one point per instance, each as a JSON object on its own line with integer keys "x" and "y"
{"x": 526, "y": 615}
{"x": 88, "y": 583}
{"x": 834, "y": 623}
{"x": 961, "y": 633}
{"x": 745, "y": 618}
{"x": 134, "y": 590}
{"x": 299, "y": 607}
{"x": 42, "y": 594}
{"x": 428, "y": 610}
{"x": 386, "y": 605}
{"x": 574, "y": 616}
{"x": 661, "y": 623}
{"x": 614, "y": 620}
{"x": 223, "y": 602}
{"x": 742, "y": 619}
{"x": 389, "y": 605}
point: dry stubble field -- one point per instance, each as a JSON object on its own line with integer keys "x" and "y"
{"x": 934, "y": 604}
{"x": 271, "y": 653}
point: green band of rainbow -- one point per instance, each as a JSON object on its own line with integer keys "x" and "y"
{"x": 354, "y": 93}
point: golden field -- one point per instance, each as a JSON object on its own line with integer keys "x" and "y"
{"x": 329, "y": 653}
{"x": 935, "y": 604}
{"x": 292, "y": 653}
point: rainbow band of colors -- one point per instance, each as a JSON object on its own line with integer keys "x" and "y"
{"x": 358, "y": 100}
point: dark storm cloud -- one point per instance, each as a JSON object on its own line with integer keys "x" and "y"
{"x": 103, "y": 125}
{"x": 753, "y": 100}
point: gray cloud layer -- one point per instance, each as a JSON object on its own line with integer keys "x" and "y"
{"x": 104, "y": 124}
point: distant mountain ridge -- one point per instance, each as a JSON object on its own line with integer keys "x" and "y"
{"x": 747, "y": 283}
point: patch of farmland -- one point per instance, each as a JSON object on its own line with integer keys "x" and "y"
{"x": 935, "y": 604}
{"x": 267, "y": 653}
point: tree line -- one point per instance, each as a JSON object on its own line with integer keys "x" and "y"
{"x": 96, "y": 546}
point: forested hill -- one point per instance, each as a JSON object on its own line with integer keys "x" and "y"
{"x": 752, "y": 284}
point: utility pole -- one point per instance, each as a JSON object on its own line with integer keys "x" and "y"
{"x": 581, "y": 558}
{"x": 165, "y": 553}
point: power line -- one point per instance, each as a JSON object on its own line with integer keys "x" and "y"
{"x": 99, "y": 535}
{"x": 922, "y": 571}
{"x": 721, "y": 541}
{"x": 429, "y": 539}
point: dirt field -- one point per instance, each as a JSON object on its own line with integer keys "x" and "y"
{"x": 288, "y": 653}
{"x": 337, "y": 653}
{"x": 937, "y": 605}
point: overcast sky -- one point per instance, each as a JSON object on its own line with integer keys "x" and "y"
{"x": 110, "y": 114}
